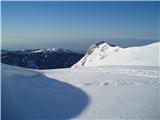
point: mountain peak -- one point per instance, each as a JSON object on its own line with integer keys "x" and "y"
{"x": 104, "y": 54}
{"x": 97, "y": 52}
{"x": 100, "y": 43}
{"x": 103, "y": 42}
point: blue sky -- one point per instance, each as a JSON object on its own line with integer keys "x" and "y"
{"x": 66, "y": 23}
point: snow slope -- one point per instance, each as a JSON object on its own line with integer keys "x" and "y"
{"x": 30, "y": 95}
{"x": 113, "y": 92}
{"x": 104, "y": 54}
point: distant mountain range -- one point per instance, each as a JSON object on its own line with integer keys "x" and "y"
{"x": 50, "y": 58}
{"x": 99, "y": 54}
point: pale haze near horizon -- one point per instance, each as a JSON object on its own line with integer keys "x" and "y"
{"x": 76, "y": 25}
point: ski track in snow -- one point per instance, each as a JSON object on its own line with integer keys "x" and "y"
{"x": 143, "y": 76}
{"x": 143, "y": 73}
{"x": 115, "y": 92}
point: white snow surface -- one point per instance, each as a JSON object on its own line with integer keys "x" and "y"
{"x": 104, "y": 54}
{"x": 113, "y": 92}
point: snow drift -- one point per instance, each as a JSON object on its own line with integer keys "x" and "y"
{"x": 102, "y": 54}
{"x": 28, "y": 94}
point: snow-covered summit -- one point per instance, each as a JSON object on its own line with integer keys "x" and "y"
{"x": 97, "y": 52}
{"x": 102, "y": 54}
{"x": 100, "y": 46}
{"x": 104, "y": 43}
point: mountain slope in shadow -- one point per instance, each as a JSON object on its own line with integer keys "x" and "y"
{"x": 50, "y": 58}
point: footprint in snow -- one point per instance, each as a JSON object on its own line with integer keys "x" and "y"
{"x": 88, "y": 84}
{"x": 104, "y": 83}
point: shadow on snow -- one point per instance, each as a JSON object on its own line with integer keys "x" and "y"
{"x": 39, "y": 97}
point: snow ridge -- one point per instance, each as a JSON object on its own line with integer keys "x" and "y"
{"x": 96, "y": 53}
{"x": 104, "y": 54}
